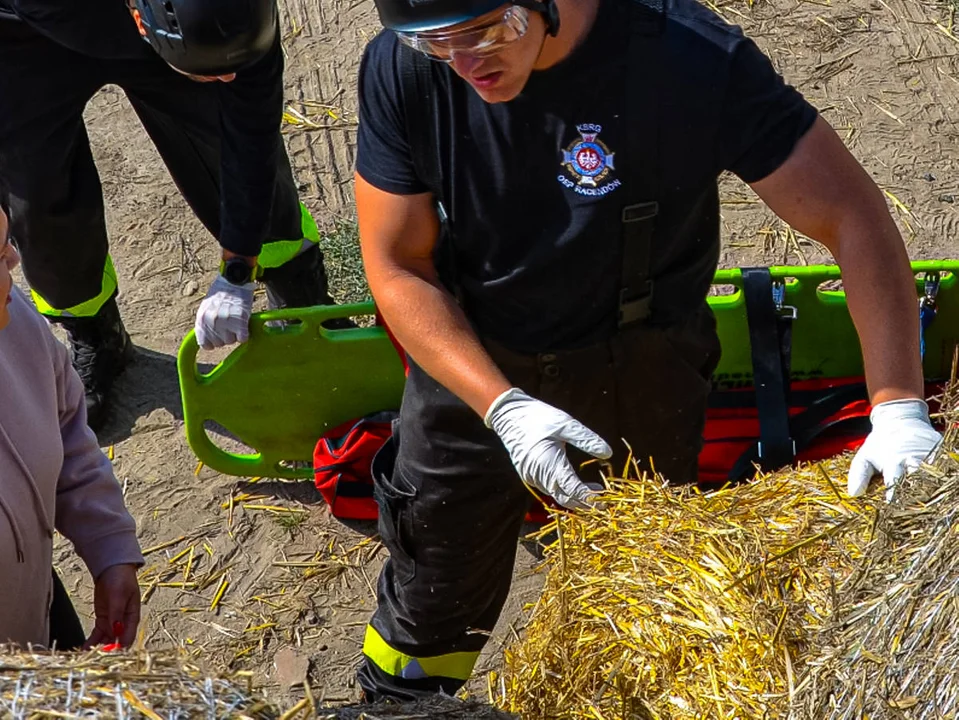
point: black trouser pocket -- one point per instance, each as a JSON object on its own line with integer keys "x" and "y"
{"x": 394, "y": 496}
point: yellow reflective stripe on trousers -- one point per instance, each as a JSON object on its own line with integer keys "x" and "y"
{"x": 88, "y": 308}
{"x": 279, "y": 252}
{"x": 458, "y": 665}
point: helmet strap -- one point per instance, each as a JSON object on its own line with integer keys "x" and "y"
{"x": 546, "y": 8}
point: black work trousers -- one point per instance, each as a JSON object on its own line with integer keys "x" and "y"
{"x": 452, "y": 505}
{"x": 66, "y": 632}
{"x": 55, "y": 198}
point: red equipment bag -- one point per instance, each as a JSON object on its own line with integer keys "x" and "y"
{"x": 826, "y": 417}
{"x": 341, "y": 465}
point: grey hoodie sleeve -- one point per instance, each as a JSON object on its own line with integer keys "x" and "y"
{"x": 90, "y": 511}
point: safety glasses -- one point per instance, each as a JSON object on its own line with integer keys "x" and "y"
{"x": 481, "y": 38}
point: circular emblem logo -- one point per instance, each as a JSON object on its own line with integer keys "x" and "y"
{"x": 588, "y": 159}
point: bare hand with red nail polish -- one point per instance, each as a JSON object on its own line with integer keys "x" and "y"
{"x": 116, "y": 604}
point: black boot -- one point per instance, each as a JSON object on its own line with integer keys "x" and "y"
{"x": 301, "y": 283}
{"x": 100, "y": 349}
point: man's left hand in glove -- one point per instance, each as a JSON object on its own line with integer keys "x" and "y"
{"x": 224, "y": 315}
{"x": 902, "y": 438}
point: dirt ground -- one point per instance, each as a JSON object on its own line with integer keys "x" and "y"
{"x": 884, "y": 72}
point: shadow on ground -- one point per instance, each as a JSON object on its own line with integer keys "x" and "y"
{"x": 147, "y": 384}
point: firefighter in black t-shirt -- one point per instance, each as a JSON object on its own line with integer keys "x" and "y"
{"x": 210, "y": 95}
{"x": 539, "y": 220}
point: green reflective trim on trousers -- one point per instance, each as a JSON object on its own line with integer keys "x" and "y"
{"x": 279, "y": 252}
{"x": 458, "y": 665}
{"x": 88, "y": 308}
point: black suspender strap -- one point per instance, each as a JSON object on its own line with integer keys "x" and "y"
{"x": 636, "y": 287}
{"x": 417, "y": 79}
{"x": 423, "y": 136}
{"x": 642, "y": 159}
{"x": 770, "y": 368}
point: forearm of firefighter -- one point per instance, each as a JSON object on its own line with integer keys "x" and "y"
{"x": 823, "y": 192}
{"x": 397, "y": 237}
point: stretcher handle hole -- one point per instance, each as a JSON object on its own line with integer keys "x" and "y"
{"x": 726, "y": 291}
{"x": 207, "y": 361}
{"x": 831, "y": 287}
{"x": 723, "y": 290}
{"x": 221, "y": 438}
{"x": 343, "y": 325}
{"x": 366, "y": 320}
{"x": 302, "y": 467}
{"x": 293, "y": 326}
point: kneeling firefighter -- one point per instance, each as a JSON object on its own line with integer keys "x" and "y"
{"x": 207, "y": 86}
{"x": 570, "y": 151}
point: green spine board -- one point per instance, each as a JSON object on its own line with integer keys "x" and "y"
{"x": 285, "y": 387}
{"x": 824, "y": 339}
{"x": 282, "y": 390}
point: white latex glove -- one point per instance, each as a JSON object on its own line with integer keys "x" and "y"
{"x": 535, "y": 435}
{"x": 224, "y": 314}
{"x": 901, "y": 439}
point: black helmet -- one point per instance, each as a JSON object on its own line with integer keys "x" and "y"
{"x": 208, "y": 37}
{"x": 412, "y": 16}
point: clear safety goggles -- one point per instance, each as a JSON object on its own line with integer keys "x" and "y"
{"x": 479, "y": 39}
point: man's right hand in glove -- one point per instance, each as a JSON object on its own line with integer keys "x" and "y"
{"x": 224, "y": 314}
{"x": 535, "y": 435}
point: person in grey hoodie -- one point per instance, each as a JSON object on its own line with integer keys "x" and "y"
{"x": 53, "y": 475}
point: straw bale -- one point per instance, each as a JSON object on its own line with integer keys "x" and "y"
{"x": 670, "y": 603}
{"x": 132, "y": 684}
{"x": 777, "y": 598}
{"x": 891, "y": 650}
{"x": 169, "y": 685}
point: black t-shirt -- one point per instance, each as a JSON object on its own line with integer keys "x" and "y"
{"x": 98, "y": 28}
{"x": 535, "y": 223}
{"x": 251, "y": 107}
